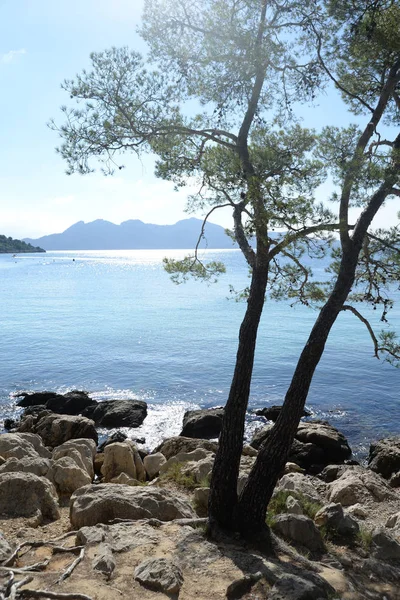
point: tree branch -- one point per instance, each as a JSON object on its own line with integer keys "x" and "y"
{"x": 287, "y": 240}
{"x": 331, "y": 76}
{"x": 377, "y": 348}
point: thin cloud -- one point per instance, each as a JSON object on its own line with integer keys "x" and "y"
{"x": 9, "y": 57}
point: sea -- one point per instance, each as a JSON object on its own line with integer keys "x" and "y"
{"x": 113, "y": 323}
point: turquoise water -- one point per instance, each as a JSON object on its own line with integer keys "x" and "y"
{"x": 113, "y": 323}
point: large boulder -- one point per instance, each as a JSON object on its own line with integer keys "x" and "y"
{"x": 358, "y": 485}
{"x": 175, "y": 445}
{"x": 293, "y": 587}
{"x": 384, "y": 456}
{"x": 122, "y": 457}
{"x": 186, "y": 457}
{"x": 82, "y": 451}
{"x": 68, "y": 476}
{"x": 306, "y": 455}
{"x": 384, "y": 546}
{"x": 329, "y": 439}
{"x": 309, "y": 487}
{"x": 202, "y": 423}
{"x": 35, "y": 399}
{"x": 117, "y": 413}
{"x": 72, "y": 403}
{"x": 57, "y": 429}
{"x": 22, "y": 445}
{"x": 152, "y": 464}
{"x": 36, "y": 465}
{"x": 105, "y": 502}
{"x": 299, "y": 529}
{"x": 160, "y": 574}
{"x": 27, "y": 495}
{"x": 332, "y": 517}
{"x": 316, "y": 444}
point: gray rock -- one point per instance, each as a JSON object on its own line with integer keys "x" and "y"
{"x": 38, "y": 466}
{"x": 201, "y": 470}
{"x": 384, "y": 456}
{"x": 5, "y": 548}
{"x": 160, "y": 574}
{"x": 272, "y": 412}
{"x": 105, "y": 502}
{"x": 120, "y": 537}
{"x": 152, "y": 464}
{"x": 72, "y": 403}
{"x": 333, "y": 518}
{"x": 117, "y": 413}
{"x": 380, "y": 569}
{"x": 201, "y": 500}
{"x": 293, "y": 506}
{"x": 81, "y": 450}
{"x": 292, "y": 587}
{"x": 315, "y": 445}
{"x": 22, "y": 445}
{"x": 104, "y": 560}
{"x": 307, "y": 486}
{"x": 358, "y": 485}
{"x": 393, "y": 521}
{"x": 384, "y": 546}
{"x": 175, "y": 445}
{"x": 242, "y": 586}
{"x": 394, "y": 481}
{"x": 68, "y": 476}
{"x": 205, "y": 423}
{"x": 185, "y": 457}
{"x": 329, "y": 439}
{"x": 27, "y": 495}
{"x": 35, "y": 399}
{"x": 299, "y": 529}
{"x": 119, "y": 458}
{"x": 57, "y": 429}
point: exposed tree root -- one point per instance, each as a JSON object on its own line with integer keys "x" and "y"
{"x": 28, "y": 593}
{"x": 72, "y": 566}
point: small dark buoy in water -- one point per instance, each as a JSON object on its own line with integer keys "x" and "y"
{"x": 73, "y": 260}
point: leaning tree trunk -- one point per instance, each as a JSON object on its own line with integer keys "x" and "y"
{"x": 223, "y": 487}
{"x": 253, "y": 502}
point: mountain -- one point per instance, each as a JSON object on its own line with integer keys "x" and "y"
{"x": 134, "y": 234}
{"x": 10, "y": 246}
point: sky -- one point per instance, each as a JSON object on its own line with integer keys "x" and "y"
{"x": 43, "y": 42}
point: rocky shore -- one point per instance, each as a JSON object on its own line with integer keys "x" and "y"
{"x": 85, "y": 521}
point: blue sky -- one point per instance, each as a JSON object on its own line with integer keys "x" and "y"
{"x": 42, "y": 42}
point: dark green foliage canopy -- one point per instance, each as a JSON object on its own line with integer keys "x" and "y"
{"x": 10, "y": 246}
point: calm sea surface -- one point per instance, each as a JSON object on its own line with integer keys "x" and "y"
{"x": 111, "y": 322}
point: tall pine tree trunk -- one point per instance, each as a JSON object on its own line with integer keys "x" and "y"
{"x": 253, "y": 502}
{"x": 223, "y": 486}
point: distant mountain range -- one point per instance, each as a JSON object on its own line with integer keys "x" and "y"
{"x": 10, "y": 246}
{"x": 134, "y": 235}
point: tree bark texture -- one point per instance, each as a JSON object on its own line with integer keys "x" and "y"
{"x": 253, "y": 502}
{"x": 223, "y": 486}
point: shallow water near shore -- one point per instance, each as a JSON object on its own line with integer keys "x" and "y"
{"x": 112, "y": 323}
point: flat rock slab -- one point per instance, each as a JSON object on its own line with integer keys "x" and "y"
{"x": 120, "y": 537}
{"x": 103, "y": 503}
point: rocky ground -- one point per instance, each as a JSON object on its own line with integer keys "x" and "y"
{"x": 78, "y": 523}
